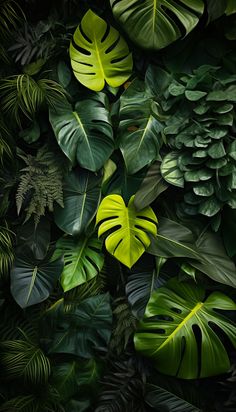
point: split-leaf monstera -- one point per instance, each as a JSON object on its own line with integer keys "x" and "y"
{"x": 99, "y": 55}
{"x": 129, "y": 238}
{"x": 179, "y": 330}
{"x": 150, "y": 23}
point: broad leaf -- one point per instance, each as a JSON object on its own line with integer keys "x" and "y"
{"x": 129, "y": 237}
{"x": 152, "y": 186}
{"x": 175, "y": 317}
{"x": 81, "y": 199}
{"x": 32, "y": 280}
{"x": 151, "y": 23}
{"x": 170, "y": 170}
{"x": 139, "y": 128}
{"x": 36, "y": 238}
{"x": 206, "y": 253}
{"x": 99, "y": 54}
{"x": 84, "y": 134}
{"x": 83, "y": 260}
{"x": 82, "y": 330}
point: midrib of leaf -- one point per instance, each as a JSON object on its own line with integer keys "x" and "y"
{"x": 68, "y": 374}
{"x": 144, "y": 133}
{"x": 179, "y": 244}
{"x": 84, "y": 198}
{"x": 98, "y": 55}
{"x": 79, "y": 256}
{"x": 193, "y": 312}
{"x": 84, "y": 132}
{"x": 154, "y": 15}
{"x": 35, "y": 270}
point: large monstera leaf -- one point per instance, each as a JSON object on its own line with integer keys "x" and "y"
{"x": 82, "y": 191}
{"x": 33, "y": 280}
{"x": 129, "y": 238}
{"x": 139, "y": 128}
{"x": 84, "y": 134}
{"x": 99, "y": 54}
{"x": 153, "y": 24}
{"x": 83, "y": 259}
{"x": 180, "y": 331}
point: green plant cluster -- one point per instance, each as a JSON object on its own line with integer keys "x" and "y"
{"x": 117, "y": 206}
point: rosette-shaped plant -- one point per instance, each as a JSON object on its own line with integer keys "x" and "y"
{"x": 201, "y": 132}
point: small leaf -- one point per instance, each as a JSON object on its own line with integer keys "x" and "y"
{"x": 194, "y": 95}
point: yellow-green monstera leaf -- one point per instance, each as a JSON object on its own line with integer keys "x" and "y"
{"x": 99, "y": 54}
{"x": 128, "y": 228}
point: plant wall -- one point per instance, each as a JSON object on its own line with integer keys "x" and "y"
{"x": 118, "y": 206}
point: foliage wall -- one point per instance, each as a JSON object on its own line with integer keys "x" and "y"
{"x": 117, "y": 205}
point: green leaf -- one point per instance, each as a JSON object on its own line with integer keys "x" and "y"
{"x": 229, "y": 230}
{"x": 31, "y": 134}
{"x": 83, "y": 260}
{"x": 223, "y": 95}
{"x": 83, "y": 329}
{"x": 151, "y": 25}
{"x": 84, "y": 134}
{"x": 139, "y": 128}
{"x": 206, "y": 253}
{"x": 99, "y": 55}
{"x": 152, "y": 186}
{"x": 37, "y": 238}
{"x": 129, "y": 237}
{"x": 32, "y": 281}
{"x": 64, "y": 73}
{"x": 231, "y": 7}
{"x": 194, "y": 95}
{"x": 166, "y": 333}
{"x": 81, "y": 198}
{"x": 164, "y": 399}
{"x": 170, "y": 170}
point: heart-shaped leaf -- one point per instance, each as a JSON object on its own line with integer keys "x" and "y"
{"x": 84, "y": 134}
{"x": 83, "y": 260}
{"x": 180, "y": 331}
{"x": 129, "y": 238}
{"x": 81, "y": 198}
{"x": 152, "y": 24}
{"x": 99, "y": 54}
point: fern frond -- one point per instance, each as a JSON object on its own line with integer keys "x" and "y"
{"x": 23, "y": 95}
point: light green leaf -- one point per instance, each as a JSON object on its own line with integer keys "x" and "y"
{"x": 83, "y": 260}
{"x": 170, "y": 170}
{"x": 166, "y": 333}
{"x": 150, "y": 23}
{"x": 99, "y": 56}
{"x": 84, "y": 134}
{"x": 130, "y": 228}
{"x": 82, "y": 193}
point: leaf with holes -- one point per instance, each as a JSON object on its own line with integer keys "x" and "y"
{"x": 129, "y": 238}
{"x": 84, "y": 134}
{"x": 83, "y": 260}
{"x": 182, "y": 330}
{"x": 99, "y": 54}
{"x": 139, "y": 128}
{"x": 154, "y": 24}
{"x": 32, "y": 280}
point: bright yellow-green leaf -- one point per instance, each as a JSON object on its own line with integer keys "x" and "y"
{"x": 129, "y": 228}
{"x": 99, "y": 55}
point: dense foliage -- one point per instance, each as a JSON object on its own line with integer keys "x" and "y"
{"x": 117, "y": 205}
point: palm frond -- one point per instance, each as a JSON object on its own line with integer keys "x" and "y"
{"x": 11, "y": 15}
{"x": 23, "y": 95}
{"x": 6, "y": 248}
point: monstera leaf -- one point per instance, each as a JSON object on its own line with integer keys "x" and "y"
{"x": 139, "y": 128}
{"x": 99, "y": 54}
{"x": 154, "y": 24}
{"x": 180, "y": 331}
{"x": 81, "y": 198}
{"x": 129, "y": 237}
{"x": 33, "y": 280}
{"x": 84, "y": 134}
{"x": 83, "y": 260}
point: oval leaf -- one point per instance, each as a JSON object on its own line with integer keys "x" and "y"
{"x": 129, "y": 238}
{"x": 99, "y": 55}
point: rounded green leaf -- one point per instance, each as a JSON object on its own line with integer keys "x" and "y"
{"x": 150, "y": 23}
{"x": 99, "y": 54}
{"x": 170, "y": 170}
{"x": 84, "y": 134}
{"x": 129, "y": 238}
{"x": 178, "y": 331}
{"x": 83, "y": 260}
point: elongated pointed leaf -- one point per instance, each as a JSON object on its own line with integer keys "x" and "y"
{"x": 150, "y": 23}
{"x": 33, "y": 281}
{"x": 81, "y": 198}
{"x": 129, "y": 237}
{"x": 84, "y": 134}
{"x": 139, "y": 128}
{"x": 83, "y": 260}
{"x": 99, "y": 55}
{"x": 168, "y": 335}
